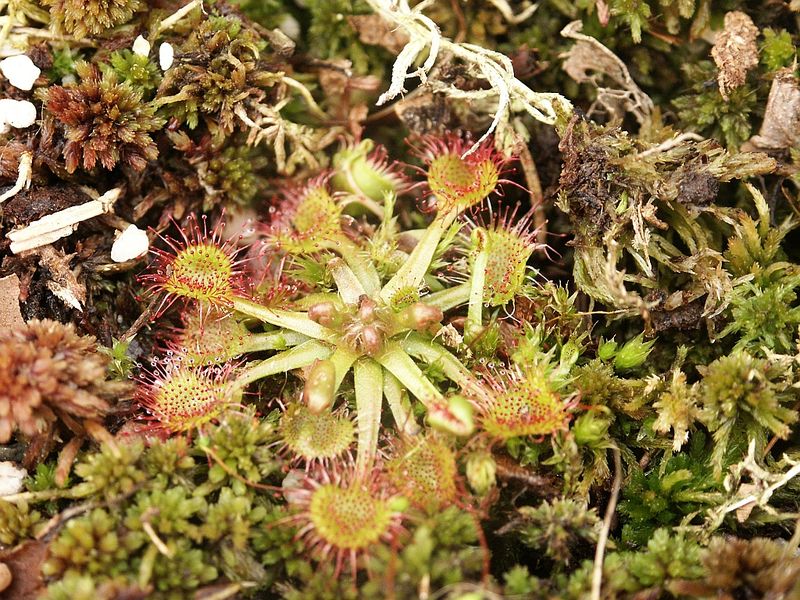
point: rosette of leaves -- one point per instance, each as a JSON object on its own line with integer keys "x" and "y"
{"x": 377, "y": 324}
{"x": 228, "y": 173}
{"x": 762, "y": 313}
{"x": 743, "y": 399}
{"x": 333, "y": 33}
{"x": 669, "y": 560}
{"x": 558, "y": 528}
{"x": 706, "y": 111}
{"x": 137, "y": 70}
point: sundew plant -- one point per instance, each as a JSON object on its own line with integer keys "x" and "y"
{"x": 358, "y": 299}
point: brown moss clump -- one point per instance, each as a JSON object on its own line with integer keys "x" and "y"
{"x": 103, "y": 121}
{"x": 47, "y": 372}
{"x": 223, "y": 63}
{"x": 757, "y": 568}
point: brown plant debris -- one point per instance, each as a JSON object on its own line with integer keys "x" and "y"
{"x": 589, "y": 61}
{"x": 374, "y": 30}
{"x": 735, "y": 52}
{"x": 780, "y": 128}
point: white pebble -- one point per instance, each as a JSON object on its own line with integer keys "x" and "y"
{"x": 131, "y": 243}
{"x": 17, "y": 113}
{"x": 166, "y": 54}
{"x": 141, "y": 46}
{"x": 11, "y": 478}
{"x": 20, "y": 71}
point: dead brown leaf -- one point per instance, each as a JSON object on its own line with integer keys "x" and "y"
{"x": 9, "y": 302}
{"x": 25, "y": 562}
{"x": 780, "y": 128}
{"x": 589, "y": 61}
{"x": 735, "y": 51}
{"x": 374, "y": 30}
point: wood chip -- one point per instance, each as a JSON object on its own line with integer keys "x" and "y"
{"x": 60, "y": 224}
{"x": 10, "y": 315}
{"x": 63, "y": 282}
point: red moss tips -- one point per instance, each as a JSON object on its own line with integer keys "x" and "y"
{"x": 456, "y": 179}
{"x": 521, "y": 402}
{"x": 181, "y": 398}
{"x": 341, "y": 516}
{"x": 199, "y": 266}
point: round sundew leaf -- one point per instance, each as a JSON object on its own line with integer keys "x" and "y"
{"x": 349, "y": 518}
{"x": 185, "y": 398}
{"x": 315, "y": 436}
{"x": 210, "y": 339}
{"x": 508, "y": 254}
{"x": 310, "y": 221}
{"x": 424, "y": 471}
{"x": 199, "y": 266}
{"x": 523, "y": 404}
{"x": 201, "y": 272}
{"x": 458, "y": 183}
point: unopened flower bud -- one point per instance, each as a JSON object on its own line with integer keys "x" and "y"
{"x": 607, "y": 349}
{"x": 590, "y": 428}
{"x": 481, "y": 469}
{"x": 320, "y": 387}
{"x": 325, "y": 314}
{"x": 292, "y": 492}
{"x": 454, "y": 416}
{"x": 366, "y": 309}
{"x": 633, "y": 353}
{"x": 420, "y": 316}
{"x": 371, "y": 340}
{"x": 398, "y": 504}
{"x": 365, "y": 171}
